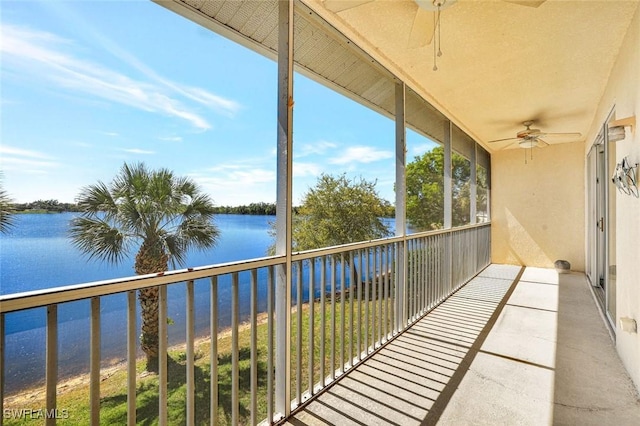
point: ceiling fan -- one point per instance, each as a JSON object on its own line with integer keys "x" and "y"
{"x": 530, "y": 138}
{"x": 425, "y": 18}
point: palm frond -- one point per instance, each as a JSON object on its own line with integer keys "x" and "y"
{"x": 200, "y": 233}
{"x": 7, "y": 220}
{"x": 97, "y": 198}
{"x": 97, "y": 238}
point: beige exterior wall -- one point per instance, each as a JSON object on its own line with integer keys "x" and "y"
{"x": 536, "y": 208}
{"x": 623, "y": 95}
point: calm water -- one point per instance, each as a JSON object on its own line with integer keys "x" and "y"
{"x": 37, "y": 254}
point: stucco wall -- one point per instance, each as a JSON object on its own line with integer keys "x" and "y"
{"x": 536, "y": 208}
{"x": 623, "y": 94}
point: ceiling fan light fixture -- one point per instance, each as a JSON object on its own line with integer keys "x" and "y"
{"x": 528, "y": 143}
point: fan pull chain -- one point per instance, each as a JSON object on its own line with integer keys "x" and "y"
{"x": 435, "y": 60}
{"x": 437, "y": 35}
{"x": 439, "y": 32}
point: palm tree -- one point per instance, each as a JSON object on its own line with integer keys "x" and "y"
{"x": 160, "y": 215}
{"x": 6, "y": 210}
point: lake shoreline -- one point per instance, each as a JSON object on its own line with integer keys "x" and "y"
{"x": 35, "y": 393}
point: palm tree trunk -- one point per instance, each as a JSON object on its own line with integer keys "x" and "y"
{"x": 150, "y": 259}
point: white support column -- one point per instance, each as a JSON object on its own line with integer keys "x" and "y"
{"x": 401, "y": 217}
{"x": 473, "y": 189}
{"x": 448, "y": 204}
{"x": 284, "y": 207}
{"x": 448, "y": 184}
{"x": 489, "y": 189}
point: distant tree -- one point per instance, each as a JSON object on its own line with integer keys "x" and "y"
{"x": 337, "y": 211}
{"x": 154, "y": 211}
{"x": 6, "y": 210}
{"x": 425, "y": 190}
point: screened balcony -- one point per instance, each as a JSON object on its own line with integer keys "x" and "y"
{"x": 444, "y": 326}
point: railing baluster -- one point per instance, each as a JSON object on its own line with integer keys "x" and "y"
{"x": 342, "y": 312}
{"x": 94, "y": 362}
{"x": 312, "y": 326}
{"x": 270, "y": 333}
{"x": 52, "y": 361}
{"x": 366, "y": 301}
{"x": 254, "y": 347}
{"x": 190, "y": 337}
{"x": 383, "y": 293}
{"x": 374, "y": 280}
{"x": 235, "y": 372}
{"x": 416, "y": 285}
{"x": 409, "y": 283}
{"x": 425, "y": 274}
{"x": 351, "y": 296}
{"x": 2, "y": 343}
{"x": 162, "y": 356}
{"x": 431, "y": 272}
{"x": 213, "y": 351}
{"x": 380, "y": 296}
{"x": 333, "y": 318}
{"x": 359, "y": 284}
{"x": 409, "y": 280}
{"x": 323, "y": 333}
{"x": 392, "y": 282}
{"x": 298, "y": 265}
{"x": 131, "y": 357}
{"x": 387, "y": 278}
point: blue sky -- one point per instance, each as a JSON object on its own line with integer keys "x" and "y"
{"x": 89, "y": 85}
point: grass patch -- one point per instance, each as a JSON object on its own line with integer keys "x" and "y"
{"x": 74, "y": 396}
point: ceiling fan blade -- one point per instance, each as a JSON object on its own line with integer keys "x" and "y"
{"x": 505, "y": 140}
{"x": 340, "y": 5}
{"x": 542, "y": 143}
{"x": 422, "y": 28}
{"x": 561, "y": 135}
{"x": 530, "y": 3}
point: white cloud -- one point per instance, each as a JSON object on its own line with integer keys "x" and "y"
{"x": 317, "y": 148}
{"x": 418, "y": 150}
{"x": 9, "y": 150}
{"x": 113, "y": 134}
{"x": 234, "y": 175}
{"x": 25, "y": 160}
{"x": 361, "y": 154}
{"x": 138, "y": 151}
{"x": 171, "y": 138}
{"x": 43, "y": 54}
{"x": 306, "y": 169}
{"x": 237, "y": 184}
{"x": 217, "y": 103}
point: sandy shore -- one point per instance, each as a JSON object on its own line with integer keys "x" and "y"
{"x": 35, "y": 395}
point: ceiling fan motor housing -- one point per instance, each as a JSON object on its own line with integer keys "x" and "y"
{"x": 523, "y": 134}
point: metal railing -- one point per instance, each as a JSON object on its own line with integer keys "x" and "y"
{"x": 347, "y": 302}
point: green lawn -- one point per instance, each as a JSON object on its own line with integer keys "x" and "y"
{"x": 113, "y": 388}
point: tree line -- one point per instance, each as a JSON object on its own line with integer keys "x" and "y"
{"x": 261, "y": 208}
{"x": 46, "y": 206}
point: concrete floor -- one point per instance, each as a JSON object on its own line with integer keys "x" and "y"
{"x": 514, "y": 346}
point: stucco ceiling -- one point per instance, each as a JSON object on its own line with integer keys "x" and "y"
{"x": 502, "y": 63}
